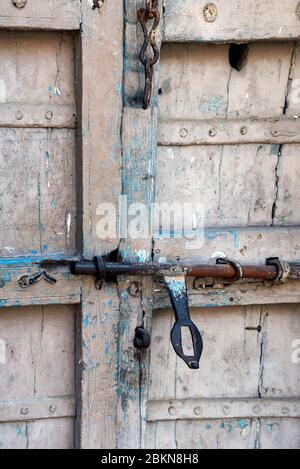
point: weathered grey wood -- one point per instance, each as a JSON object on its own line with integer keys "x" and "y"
{"x": 230, "y": 362}
{"x": 236, "y": 295}
{"x": 37, "y": 198}
{"x": 40, "y": 116}
{"x": 41, "y": 434}
{"x": 235, "y": 21}
{"x": 279, "y": 373}
{"x": 37, "y": 409}
{"x": 228, "y": 132}
{"x": 205, "y": 409}
{"x": 36, "y": 68}
{"x": 40, "y": 347}
{"x": 197, "y": 82}
{"x": 139, "y": 160}
{"x": 100, "y": 67}
{"x": 279, "y": 434}
{"x": 227, "y": 434}
{"x": 66, "y": 290}
{"x": 41, "y": 14}
{"x": 244, "y": 244}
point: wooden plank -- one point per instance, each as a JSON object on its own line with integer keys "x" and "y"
{"x": 40, "y": 348}
{"x": 37, "y": 198}
{"x": 279, "y": 377}
{"x": 40, "y": 434}
{"x": 244, "y": 244}
{"x": 235, "y": 295}
{"x": 139, "y": 157}
{"x": 40, "y": 116}
{"x": 227, "y": 132}
{"x": 37, "y": 409}
{"x": 99, "y": 162}
{"x": 198, "y": 82}
{"x": 66, "y": 290}
{"x": 36, "y": 68}
{"x": 208, "y": 175}
{"x": 40, "y": 14}
{"x": 205, "y": 409}
{"x": 235, "y": 21}
{"x": 230, "y": 362}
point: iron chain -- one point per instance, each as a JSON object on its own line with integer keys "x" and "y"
{"x": 149, "y": 14}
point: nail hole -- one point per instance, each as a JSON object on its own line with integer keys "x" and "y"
{"x": 238, "y": 56}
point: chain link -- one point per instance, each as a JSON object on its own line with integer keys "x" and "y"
{"x": 145, "y": 16}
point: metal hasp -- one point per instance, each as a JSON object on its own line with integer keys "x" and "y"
{"x": 176, "y": 287}
{"x": 147, "y": 15}
{"x": 273, "y": 272}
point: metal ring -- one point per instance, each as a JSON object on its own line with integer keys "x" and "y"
{"x": 100, "y": 267}
{"x": 233, "y": 263}
{"x": 283, "y": 270}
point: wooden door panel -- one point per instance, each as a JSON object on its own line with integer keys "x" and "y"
{"x": 41, "y": 14}
{"x": 197, "y": 21}
{"x": 38, "y": 220}
{"x": 227, "y": 140}
{"x": 39, "y": 434}
{"x": 37, "y": 378}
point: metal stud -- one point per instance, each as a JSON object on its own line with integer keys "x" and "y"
{"x": 19, "y": 3}
{"x": 210, "y": 12}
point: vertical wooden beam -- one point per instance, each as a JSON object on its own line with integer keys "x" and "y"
{"x": 139, "y": 131}
{"x": 101, "y": 69}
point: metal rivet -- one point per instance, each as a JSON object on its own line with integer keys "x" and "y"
{"x": 19, "y": 3}
{"x": 134, "y": 289}
{"x": 244, "y": 130}
{"x": 52, "y": 409}
{"x": 285, "y": 410}
{"x": 48, "y": 115}
{"x": 226, "y": 409}
{"x": 212, "y": 132}
{"x": 24, "y": 411}
{"x": 210, "y": 12}
{"x": 19, "y": 115}
{"x": 256, "y": 409}
{"x": 172, "y": 410}
{"x": 2, "y": 282}
{"x": 183, "y": 133}
{"x": 198, "y": 411}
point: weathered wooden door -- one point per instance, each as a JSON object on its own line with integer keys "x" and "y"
{"x": 74, "y": 138}
{"x": 228, "y": 137}
{"x": 60, "y": 114}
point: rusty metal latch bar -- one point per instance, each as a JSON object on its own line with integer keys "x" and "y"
{"x": 149, "y": 15}
{"x": 273, "y": 272}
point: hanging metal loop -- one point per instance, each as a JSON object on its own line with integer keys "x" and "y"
{"x": 146, "y": 15}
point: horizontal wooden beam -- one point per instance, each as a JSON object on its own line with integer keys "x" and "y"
{"x": 41, "y": 14}
{"x": 229, "y": 131}
{"x": 206, "y": 409}
{"x": 234, "y": 295}
{"x": 247, "y": 245}
{"x": 39, "y": 116}
{"x": 37, "y": 409}
{"x": 66, "y": 290}
{"x": 231, "y": 21}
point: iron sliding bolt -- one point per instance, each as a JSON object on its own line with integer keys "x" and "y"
{"x": 273, "y": 272}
